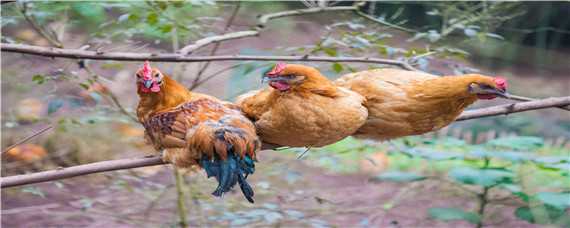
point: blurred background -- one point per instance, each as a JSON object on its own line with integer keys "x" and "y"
{"x": 441, "y": 179}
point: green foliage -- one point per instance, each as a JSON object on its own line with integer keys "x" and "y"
{"x": 518, "y": 143}
{"x": 494, "y": 164}
{"x": 39, "y": 79}
{"x": 554, "y": 199}
{"x": 449, "y": 214}
{"x": 549, "y": 213}
{"x": 481, "y": 177}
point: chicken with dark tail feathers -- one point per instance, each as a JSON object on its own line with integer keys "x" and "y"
{"x": 197, "y": 130}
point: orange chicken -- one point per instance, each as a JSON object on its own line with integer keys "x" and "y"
{"x": 197, "y": 130}
{"x": 302, "y": 108}
{"x": 402, "y": 103}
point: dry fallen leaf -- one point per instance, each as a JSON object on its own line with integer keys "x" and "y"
{"x": 27, "y": 153}
{"x": 29, "y": 110}
{"x": 374, "y": 163}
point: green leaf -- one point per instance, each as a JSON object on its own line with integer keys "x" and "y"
{"x": 166, "y": 28}
{"x": 397, "y": 176}
{"x": 517, "y": 191}
{"x": 84, "y": 86}
{"x": 133, "y": 17}
{"x": 152, "y": 18}
{"x": 38, "y": 79}
{"x": 330, "y": 51}
{"x": 337, "y": 67}
{"x": 90, "y": 11}
{"x": 513, "y": 156}
{"x": 433, "y": 154}
{"x": 34, "y": 191}
{"x": 517, "y": 142}
{"x": 555, "y": 199}
{"x": 450, "y": 213}
{"x": 248, "y": 68}
{"x": 482, "y": 177}
{"x": 526, "y": 214}
{"x": 54, "y": 105}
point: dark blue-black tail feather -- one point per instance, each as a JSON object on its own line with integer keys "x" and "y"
{"x": 230, "y": 172}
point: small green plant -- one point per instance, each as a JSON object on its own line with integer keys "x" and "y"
{"x": 534, "y": 175}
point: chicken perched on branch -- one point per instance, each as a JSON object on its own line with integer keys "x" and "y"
{"x": 197, "y": 130}
{"x": 303, "y": 108}
{"x": 402, "y": 103}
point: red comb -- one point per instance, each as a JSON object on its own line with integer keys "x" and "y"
{"x": 147, "y": 71}
{"x": 501, "y": 82}
{"x": 279, "y": 67}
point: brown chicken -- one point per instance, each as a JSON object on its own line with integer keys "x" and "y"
{"x": 303, "y": 108}
{"x": 402, "y": 103}
{"x": 197, "y": 130}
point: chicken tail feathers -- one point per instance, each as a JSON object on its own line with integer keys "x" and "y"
{"x": 231, "y": 169}
{"x": 230, "y": 172}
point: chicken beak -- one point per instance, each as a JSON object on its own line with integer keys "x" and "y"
{"x": 147, "y": 83}
{"x": 502, "y": 93}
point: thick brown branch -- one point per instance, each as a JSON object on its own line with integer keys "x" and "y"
{"x": 170, "y": 57}
{"x": 105, "y": 166}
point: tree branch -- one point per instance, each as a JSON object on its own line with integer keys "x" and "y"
{"x": 514, "y": 108}
{"x": 385, "y": 23}
{"x": 215, "y": 48}
{"x": 79, "y": 170}
{"x": 171, "y": 57}
{"x": 105, "y": 166}
{"x": 41, "y": 131}
{"x": 215, "y": 39}
{"x": 49, "y": 36}
{"x": 262, "y": 21}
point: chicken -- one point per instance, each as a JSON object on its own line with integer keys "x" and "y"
{"x": 197, "y": 130}
{"x": 302, "y": 108}
{"x": 402, "y": 103}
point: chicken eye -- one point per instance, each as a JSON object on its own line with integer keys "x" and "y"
{"x": 157, "y": 75}
{"x": 139, "y": 76}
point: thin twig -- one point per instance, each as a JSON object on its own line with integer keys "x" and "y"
{"x": 109, "y": 94}
{"x": 41, "y": 131}
{"x": 51, "y": 38}
{"x": 55, "y": 42}
{"x": 215, "y": 48}
{"x": 104, "y": 166}
{"x": 262, "y": 21}
{"x": 213, "y": 75}
{"x": 385, "y": 23}
{"x": 180, "y": 198}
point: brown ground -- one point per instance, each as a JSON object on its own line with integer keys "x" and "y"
{"x": 289, "y": 193}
